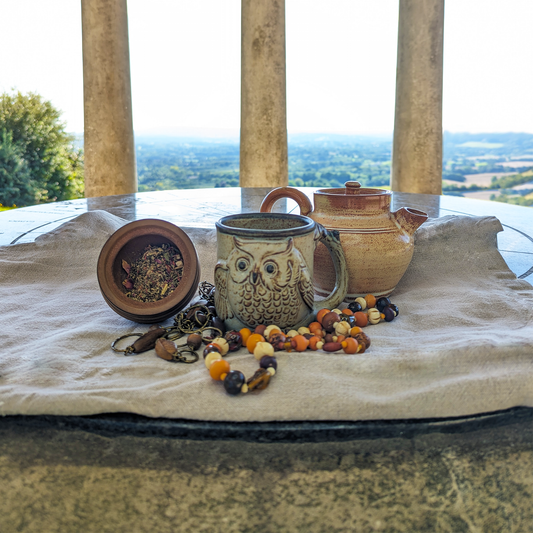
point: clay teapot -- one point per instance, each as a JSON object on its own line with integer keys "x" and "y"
{"x": 378, "y": 244}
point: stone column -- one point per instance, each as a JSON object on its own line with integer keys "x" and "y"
{"x": 109, "y": 147}
{"x": 264, "y": 160}
{"x": 417, "y": 143}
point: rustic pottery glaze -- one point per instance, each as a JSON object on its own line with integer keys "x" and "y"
{"x": 378, "y": 244}
{"x": 264, "y": 273}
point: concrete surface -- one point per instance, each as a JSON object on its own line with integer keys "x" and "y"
{"x": 59, "y": 480}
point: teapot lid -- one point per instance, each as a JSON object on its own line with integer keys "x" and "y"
{"x": 353, "y": 188}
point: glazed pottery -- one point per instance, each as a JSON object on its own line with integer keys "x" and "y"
{"x": 128, "y": 243}
{"x": 378, "y": 244}
{"x": 264, "y": 273}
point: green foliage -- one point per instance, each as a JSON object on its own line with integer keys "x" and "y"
{"x": 35, "y": 135}
{"x": 506, "y": 182}
{"x": 16, "y": 186}
{"x": 515, "y": 200}
{"x": 452, "y": 176}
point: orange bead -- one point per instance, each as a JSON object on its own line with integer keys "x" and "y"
{"x": 320, "y": 315}
{"x": 314, "y": 326}
{"x": 347, "y": 311}
{"x": 350, "y": 345}
{"x": 245, "y": 333}
{"x": 361, "y": 319}
{"x": 253, "y": 339}
{"x": 340, "y": 338}
{"x": 218, "y": 368}
{"x": 313, "y": 341}
{"x": 370, "y": 300}
{"x": 355, "y": 330}
{"x": 299, "y": 343}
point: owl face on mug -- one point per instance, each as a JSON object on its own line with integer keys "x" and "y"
{"x": 263, "y": 283}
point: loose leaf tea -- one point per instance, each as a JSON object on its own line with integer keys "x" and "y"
{"x": 155, "y": 275}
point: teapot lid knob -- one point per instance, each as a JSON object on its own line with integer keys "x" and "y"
{"x": 352, "y": 187}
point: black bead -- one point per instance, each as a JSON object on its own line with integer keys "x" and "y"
{"x": 355, "y": 307}
{"x": 389, "y": 314}
{"x": 394, "y": 307}
{"x": 233, "y": 382}
{"x": 382, "y": 303}
{"x": 268, "y": 361}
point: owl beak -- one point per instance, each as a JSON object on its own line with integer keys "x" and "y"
{"x": 255, "y": 275}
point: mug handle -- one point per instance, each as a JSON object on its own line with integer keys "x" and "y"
{"x": 331, "y": 240}
{"x": 286, "y": 192}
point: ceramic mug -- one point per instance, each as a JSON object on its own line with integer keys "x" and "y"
{"x": 264, "y": 273}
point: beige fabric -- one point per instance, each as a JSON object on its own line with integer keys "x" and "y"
{"x": 462, "y": 344}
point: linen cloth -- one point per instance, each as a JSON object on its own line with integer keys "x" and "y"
{"x": 462, "y": 343}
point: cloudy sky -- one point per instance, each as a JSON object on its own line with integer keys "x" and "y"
{"x": 341, "y": 63}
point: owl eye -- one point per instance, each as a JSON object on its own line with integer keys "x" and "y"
{"x": 270, "y": 268}
{"x": 242, "y": 264}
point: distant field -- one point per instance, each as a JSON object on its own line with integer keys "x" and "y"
{"x": 483, "y": 180}
{"x": 516, "y": 164}
{"x": 481, "y": 195}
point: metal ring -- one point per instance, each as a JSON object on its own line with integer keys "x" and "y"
{"x": 179, "y": 358}
{"x": 128, "y": 349}
{"x": 211, "y": 329}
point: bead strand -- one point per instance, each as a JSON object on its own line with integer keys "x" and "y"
{"x": 333, "y": 331}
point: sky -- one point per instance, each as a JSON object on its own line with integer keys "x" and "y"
{"x": 341, "y": 64}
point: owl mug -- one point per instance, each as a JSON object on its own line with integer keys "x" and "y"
{"x": 264, "y": 273}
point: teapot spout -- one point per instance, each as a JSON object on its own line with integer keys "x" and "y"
{"x": 409, "y": 219}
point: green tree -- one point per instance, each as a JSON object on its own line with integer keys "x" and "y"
{"x": 16, "y": 186}
{"x": 38, "y": 137}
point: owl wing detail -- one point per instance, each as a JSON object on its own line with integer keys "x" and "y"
{"x": 305, "y": 286}
{"x": 221, "y": 293}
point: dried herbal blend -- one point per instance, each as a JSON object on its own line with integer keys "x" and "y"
{"x": 155, "y": 275}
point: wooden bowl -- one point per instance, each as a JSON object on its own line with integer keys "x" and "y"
{"x": 129, "y": 243}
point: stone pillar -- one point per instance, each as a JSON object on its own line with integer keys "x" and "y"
{"x": 109, "y": 147}
{"x": 417, "y": 143}
{"x": 264, "y": 159}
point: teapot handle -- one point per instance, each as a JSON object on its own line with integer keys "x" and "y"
{"x": 331, "y": 240}
{"x": 286, "y": 192}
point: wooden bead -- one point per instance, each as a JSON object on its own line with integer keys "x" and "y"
{"x": 218, "y": 368}
{"x": 299, "y": 343}
{"x": 253, "y": 339}
{"x": 263, "y": 348}
{"x": 361, "y": 319}
{"x": 222, "y": 344}
{"x": 361, "y": 302}
{"x": 321, "y": 314}
{"x": 332, "y": 347}
{"x": 210, "y": 358}
{"x": 374, "y": 316}
{"x": 370, "y": 300}
{"x": 350, "y": 345}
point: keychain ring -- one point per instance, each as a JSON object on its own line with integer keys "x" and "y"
{"x": 128, "y": 349}
{"x": 179, "y": 358}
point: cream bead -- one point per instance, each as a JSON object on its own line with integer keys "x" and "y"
{"x": 210, "y": 357}
{"x": 303, "y": 330}
{"x": 222, "y": 344}
{"x": 374, "y": 316}
{"x": 271, "y": 370}
{"x": 270, "y": 329}
{"x": 291, "y": 333}
{"x": 263, "y": 348}
{"x": 361, "y": 302}
{"x": 342, "y": 328}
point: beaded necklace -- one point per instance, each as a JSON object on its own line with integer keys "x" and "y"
{"x": 333, "y": 331}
